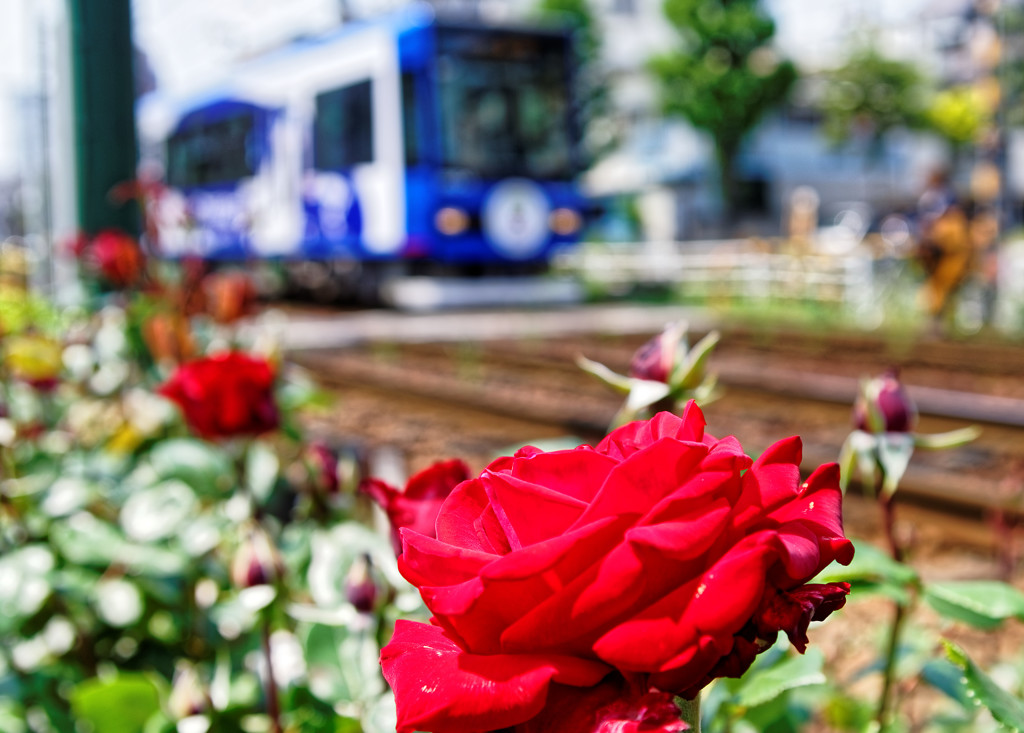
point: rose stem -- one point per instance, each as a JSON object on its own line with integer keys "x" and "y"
{"x": 896, "y": 630}
{"x": 690, "y": 713}
{"x": 273, "y": 703}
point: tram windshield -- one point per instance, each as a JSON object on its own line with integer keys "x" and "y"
{"x": 505, "y": 102}
{"x": 204, "y": 152}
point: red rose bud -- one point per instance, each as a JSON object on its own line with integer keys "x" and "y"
{"x": 323, "y": 468}
{"x": 884, "y": 406}
{"x": 257, "y": 560}
{"x": 188, "y": 693}
{"x": 416, "y": 508}
{"x": 656, "y": 359}
{"x": 660, "y": 556}
{"x": 225, "y": 396}
{"x": 117, "y": 257}
{"x": 362, "y": 586}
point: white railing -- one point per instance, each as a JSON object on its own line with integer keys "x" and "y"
{"x": 734, "y": 268}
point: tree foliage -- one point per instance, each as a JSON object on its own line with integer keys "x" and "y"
{"x": 870, "y": 94}
{"x": 724, "y": 76}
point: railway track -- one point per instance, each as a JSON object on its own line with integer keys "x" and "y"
{"x": 477, "y": 398}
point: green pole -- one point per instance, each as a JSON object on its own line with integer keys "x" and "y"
{"x": 105, "y": 142}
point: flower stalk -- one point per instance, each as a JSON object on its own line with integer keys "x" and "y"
{"x": 270, "y": 684}
{"x": 689, "y": 711}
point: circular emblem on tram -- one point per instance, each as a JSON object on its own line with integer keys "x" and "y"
{"x": 515, "y": 218}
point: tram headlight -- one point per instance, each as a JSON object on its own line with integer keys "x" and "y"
{"x": 451, "y": 220}
{"x": 565, "y": 222}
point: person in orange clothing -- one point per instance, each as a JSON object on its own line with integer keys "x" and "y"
{"x": 945, "y": 249}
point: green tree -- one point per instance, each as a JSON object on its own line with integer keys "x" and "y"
{"x": 592, "y": 102}
{"x": 870, "y": 94}
{"x": 724, "y": 76}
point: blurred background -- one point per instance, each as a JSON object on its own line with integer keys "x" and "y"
{"x": 885, "y": 138}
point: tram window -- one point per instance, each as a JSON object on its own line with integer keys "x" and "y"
{"x": 208, "y": 153}
{"x": 343, "y": 131}
{"x": 505, "y": 104}
{"x": 409, "y": 117}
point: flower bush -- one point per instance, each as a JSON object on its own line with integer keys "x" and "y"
{"x": 177, "y": 554}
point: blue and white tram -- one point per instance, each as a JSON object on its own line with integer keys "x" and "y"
{"x": 407, "y": 140}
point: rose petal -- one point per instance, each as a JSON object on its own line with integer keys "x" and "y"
{"x": 717, "y": 604}
{"x": 635, "y": 436}
{"x": 533, "y": 512}
{"x": 575, "y": 473}
{"x": 441, "y": 688}
{"x": 818, "y": 508}
{"x": 772, "y": 480}
{"x": 427, "y": 561}
{"x": 633, "y": 487}
{"x": 437, "y": 481}
{"x": 467, "y": 520}
{"x": 478, "y": 610}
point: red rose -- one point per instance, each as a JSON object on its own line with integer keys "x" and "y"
{"x": 416, "y": 508}
{"x": 657, "y": 561}
{"x": 225, "y": 395}
{"x": 117, "y": 257}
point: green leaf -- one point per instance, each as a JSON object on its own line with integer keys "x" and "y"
{"x": 644, "y": 393}
{"x": 1004, "y": 707}
{"x": 261, "y": 467}
{"x": 948, "y": 679}
{"x": 203, "y": 466}
{"x": 616, "y": 381}
{"x": 983, "y": 604}
{"x": 158, "y": 511}
{"x": 121, "y": 704}
{"x": 26, "y": 583}
{"x": 793, "y": 672}
{"x": 894, "y": 453}
{"x": 871, "y": 565}
{"x": 859, "y": 452}
{"x": 691, "y": 372}
{"x": 951, "y": 439}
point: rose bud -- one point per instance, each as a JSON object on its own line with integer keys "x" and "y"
{"x": 656, "y": 359}
{"x": 226, "y": 395}
{"x": 188, "y": 693}
{"x": 364, "y": 588}
{"x": 117, "y": 257}
{"x": 257, "y": 560}
{"x": 34, "y": 359}
{"x": 322, "y": 464}
{"x": 884, "y": 405}
{"x": 416, "y": 508}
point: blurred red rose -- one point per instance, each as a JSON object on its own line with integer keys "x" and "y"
{"x": 657, "y": 561}
{"x": 225, "y": 395}
{"x": 416, "y": 508}
{"x": 117, "y": 257}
